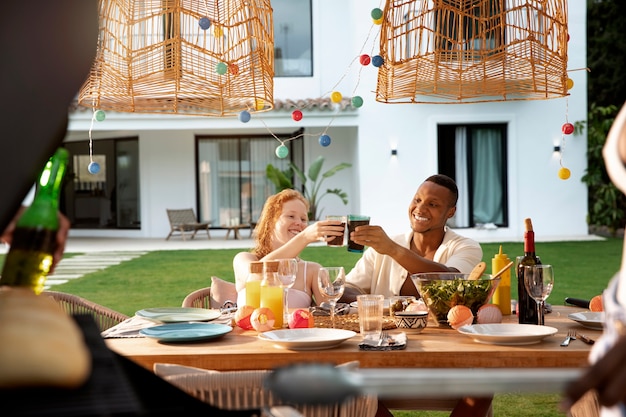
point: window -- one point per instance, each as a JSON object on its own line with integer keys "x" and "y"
{"x": 293, "y": 44}
{"x": 110, "y": 198}
{"x": 475, "y": 156}
{"x": 232, "y": 184}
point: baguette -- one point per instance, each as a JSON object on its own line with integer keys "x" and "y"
{"x": 40, "y": 344}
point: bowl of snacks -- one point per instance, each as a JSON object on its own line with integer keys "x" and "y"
{"x": 443, "y": 291}
{"x": 411, "y": 321}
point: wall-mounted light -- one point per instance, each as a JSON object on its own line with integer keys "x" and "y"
{"x": 557, "y": 148}
{"x": 394, "y": 152}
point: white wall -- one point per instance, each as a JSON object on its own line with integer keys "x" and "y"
{"x": 378, "y": 184}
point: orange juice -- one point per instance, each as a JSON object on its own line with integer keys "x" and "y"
{"x": 272, "y": 298}
{"x": 253, "y": 293}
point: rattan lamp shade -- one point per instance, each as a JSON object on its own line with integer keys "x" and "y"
{"x": 153, "y": 57}
{"x": 454, "y": 51}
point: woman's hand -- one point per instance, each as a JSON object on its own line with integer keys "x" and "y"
{"x": 323, "y": 230}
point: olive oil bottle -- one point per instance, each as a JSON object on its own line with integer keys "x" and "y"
{"x": 34, "y": 239}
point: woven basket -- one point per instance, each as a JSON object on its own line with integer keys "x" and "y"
{"x": 153, "y": 57}
{"x": 349, "y": 322}
{"x": 451, "y": 51}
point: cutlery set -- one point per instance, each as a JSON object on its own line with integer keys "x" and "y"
{"x": 573, "y": 335}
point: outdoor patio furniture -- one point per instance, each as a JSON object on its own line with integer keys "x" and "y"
{"x": 75, "y": 305}
{"x": 246, "y": 389}
{"x": 185, "y": 220}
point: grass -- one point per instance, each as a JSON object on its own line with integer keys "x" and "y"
{"x": 163, "y": 278}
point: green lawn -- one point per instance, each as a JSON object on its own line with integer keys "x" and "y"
{"x": 163, "y": 278}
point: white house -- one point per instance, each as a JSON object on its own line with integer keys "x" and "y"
{"x": 213, "y": 165}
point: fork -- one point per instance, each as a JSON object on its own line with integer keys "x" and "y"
{"x": 571, "y": 335}
{"x": 383, "y": 337}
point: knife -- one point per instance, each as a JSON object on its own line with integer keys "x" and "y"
{"x": 585, "y": 339}
{"x": 578, "y": 302}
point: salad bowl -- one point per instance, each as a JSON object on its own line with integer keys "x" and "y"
{"x": 443, "y": 290}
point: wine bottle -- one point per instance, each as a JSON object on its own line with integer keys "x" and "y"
{"x": 526, "y": 306}
{"x": 34, "y": 239}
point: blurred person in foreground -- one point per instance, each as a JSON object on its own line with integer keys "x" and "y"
{"x": 283, "y": 231}
{"x": 607, "y": 374}
{"x": 40, "y": 77}
{"x": 430, "y": 246}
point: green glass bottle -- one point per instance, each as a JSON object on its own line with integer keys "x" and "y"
{"x": 34, "y": 240}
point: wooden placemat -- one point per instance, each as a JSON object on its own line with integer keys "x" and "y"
{"x": 349, "y": 322}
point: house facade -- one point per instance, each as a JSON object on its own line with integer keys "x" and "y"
{"x": 501, "y": 153}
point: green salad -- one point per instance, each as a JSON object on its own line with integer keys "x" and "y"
{"x": 441, "y": 295}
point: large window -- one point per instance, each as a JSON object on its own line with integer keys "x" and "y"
{"x": 108, "y": 199}
{"x": 293, "y": 46}
{"x": 475, "y": 156}
{"x": 232, "y": 183}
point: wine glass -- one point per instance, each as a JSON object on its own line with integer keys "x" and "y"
{"x": 286, "y": 273}
{"x": 331, "y": 282}
{"x": 539, "y": 280}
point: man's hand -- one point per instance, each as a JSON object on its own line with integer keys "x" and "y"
{"x": 61, "y": 238}
{"x": 374, "y": 237}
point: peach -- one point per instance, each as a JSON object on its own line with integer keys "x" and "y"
{"x": 262, "y": 319}
{"x": 595, "y": 304}
{"x": 489, "y": 313}
{"x": 460, "y": 315}
{"x": 242, "y": 317}
{"x": 301, "y": 319}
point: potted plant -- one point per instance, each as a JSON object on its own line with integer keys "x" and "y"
{"x": 311, "y": 182}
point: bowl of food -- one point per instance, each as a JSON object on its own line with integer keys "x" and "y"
{"x": 442, "y": 291}
{"x": 411, "y": 321}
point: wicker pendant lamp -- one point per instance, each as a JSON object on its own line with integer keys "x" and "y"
{"x": 194, "y": 57}
{"x": 457, "y": 51}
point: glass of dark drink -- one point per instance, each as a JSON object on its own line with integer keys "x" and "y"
{"x": 337, "y": 240}
{"x": 355, "y": 220}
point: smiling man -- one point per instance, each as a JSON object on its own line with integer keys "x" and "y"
{"x": 429, "y": 246}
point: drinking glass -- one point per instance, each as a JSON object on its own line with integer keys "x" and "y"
{"x": 539, "y": 280}
{"x": 331, "y": 282}
{"x": 286, "y": 273}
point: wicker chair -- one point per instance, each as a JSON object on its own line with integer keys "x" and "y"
{"x": 245, "y": 389}
{"x": 199, "y": 299}
{"x": 184, "y": 220}
{"x": 73, "y": 304}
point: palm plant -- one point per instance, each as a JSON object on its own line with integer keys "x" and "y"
{"x": 311, "y": 182}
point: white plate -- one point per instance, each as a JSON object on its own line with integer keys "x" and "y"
{"x": 590, "y": 320}
{"x": 507, "y": 333}
{"x": 307, "y": 339}
{"x": 178, "y": 314}
{"x": 186, "y": 332}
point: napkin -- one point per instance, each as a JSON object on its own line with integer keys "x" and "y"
{"x": 131, "y": 326}
{"x": 389, "y": 341}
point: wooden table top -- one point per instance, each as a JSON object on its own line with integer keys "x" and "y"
{"x": 433, "y": 348}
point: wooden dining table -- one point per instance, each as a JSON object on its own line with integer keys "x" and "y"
{"x": 434, "y": 347}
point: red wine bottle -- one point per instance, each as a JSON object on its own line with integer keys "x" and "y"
{"x": 526, "y": 305}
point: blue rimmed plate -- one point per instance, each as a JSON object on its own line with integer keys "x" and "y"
{"x": 186, "y": 332}
{"x": 178, "y": 314}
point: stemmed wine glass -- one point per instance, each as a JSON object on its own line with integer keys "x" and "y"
{"x": 539, "y": 280}
{"x": 331, "y": 282}
{"x": 286, "y": 273}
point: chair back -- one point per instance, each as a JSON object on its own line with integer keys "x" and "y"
{"x": 104, "y": 317}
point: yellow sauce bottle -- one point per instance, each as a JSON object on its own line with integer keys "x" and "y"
{"x": 502, "y": 295}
